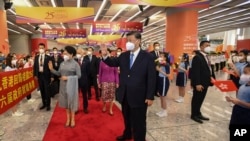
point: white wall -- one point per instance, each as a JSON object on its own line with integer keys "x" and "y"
{"x": 246, "y": 33}
{"x": 19, "y": 44}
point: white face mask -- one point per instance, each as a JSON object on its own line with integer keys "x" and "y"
{"x": 118, "y": 53}
{"x": 157, "y": 48}
{"x": 65, "y": 57}
{"x": 241, "y": 58}
{"x": 235, "y": 59}
{"x": 13, "y": 62}
{"x": 55, "y": 52}
{"x": 248, "y": 58}
{"x": 89, "y": 52}
{"x": 41, "y": 51}
{"x": 130, "y": 46}
{"x": 244, "y": 78}
{"x": 208, "y": 49}
{"x": 78, "y": 56}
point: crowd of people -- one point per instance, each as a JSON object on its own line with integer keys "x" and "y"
{"x": 133, "y": 78}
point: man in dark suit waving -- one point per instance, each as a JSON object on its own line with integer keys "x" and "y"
{"x": 200, "y": 80}
{"x": 136, "y": 88}
{"x": 42, "y": 73}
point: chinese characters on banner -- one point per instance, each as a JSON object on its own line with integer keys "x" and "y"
{"x": 64, "y": 33}
{"x": 190, "y": 43}
{"x": 14, "y": 86}
{"x": 117, "y": 26}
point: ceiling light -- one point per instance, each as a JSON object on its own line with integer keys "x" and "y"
{"x": 53, "y": 3}
{"x": 11, "y": 11}
{"x": 14, "y": 31}
{"x": 118, "y": 13}
{"x": 215, "y": 6}
{"x": 163, "y": 30}
{"x": 154, "y": 15}
{"x": 10, "y": 23}
{"x": 78, "y": 3}
{"x": 202, "y": 30}
{"x": 27, "y": 2}
{"x": 155, "y": 22}
{"x": 153, "y": 28}
{"x": 24, "y": 29}
{"x": 62, "y": 26}
{"x": 100, "y": 9}
{"x": 137, "y": 13}
{"x": 214, "y": 13}
{"x": 77, "y": 25}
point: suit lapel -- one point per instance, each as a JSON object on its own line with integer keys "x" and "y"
{"x": 204, "y": 60}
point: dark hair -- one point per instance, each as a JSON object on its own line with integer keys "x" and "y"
{"x": 186, "y": 57}
{"x": 109, "y": 50}
{"x": 244, "y": 51}
{"x": 203, "y": 42}
{"x": 54, "y": 48}
{"x": 135, "y": 33}
{"x": 8, "y": 60}
{"x": 41, "y": 44}
{"x": 119, "y": 49}
{"x": 27, "y": 57}
{"x": 91, "y": 48}
{"x": 71, "y": 50}
{"x": 155, "y": 43}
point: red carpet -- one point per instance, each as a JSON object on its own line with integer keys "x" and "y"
{"x": 94, "y": 126}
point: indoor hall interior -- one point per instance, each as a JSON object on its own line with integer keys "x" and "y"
{"x": 177, "y": 126}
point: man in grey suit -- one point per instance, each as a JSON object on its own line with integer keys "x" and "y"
{"x": 136, "y": 88}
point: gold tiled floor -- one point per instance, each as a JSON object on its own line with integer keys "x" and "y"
{"x": 177, "y": 126}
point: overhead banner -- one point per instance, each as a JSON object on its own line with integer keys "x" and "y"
{"x": 103, "y": 38}
{"x": 14, "y": 86}
{"x": 53, "y": 14}
{"x": 117, "y": 26}
{"x": 166, "y": 3}
{"x": 70, "y": 41}
{"x": 64, "y": 33}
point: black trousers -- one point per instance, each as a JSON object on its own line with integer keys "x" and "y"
{"x": 93, "y": 81}
{"x": 44, "y": 89}
{"x": 212, "y": 67}
{"x": 134, "y": 121}
{"x": 217, "y": 65}
{"x": 84, "y": 90}
{"x": 197, "y": 100}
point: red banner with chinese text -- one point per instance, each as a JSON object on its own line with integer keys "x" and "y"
{"x": 14, "y": 86}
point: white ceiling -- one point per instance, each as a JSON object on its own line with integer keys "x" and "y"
{"x": 222, "y": 15}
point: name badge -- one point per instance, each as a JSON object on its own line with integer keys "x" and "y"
{"x": 40, "y": 68}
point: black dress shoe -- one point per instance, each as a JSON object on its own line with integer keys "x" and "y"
{"x": 197, "y": 119}
{"x": 42, "y": 107}
{"x": 48, "y": 108}
{"x": 123, "y": 138}
{"x": 203, "y": 118}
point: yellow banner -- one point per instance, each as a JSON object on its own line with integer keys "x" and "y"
{"x": 53, "y": 15}
{"x": 71, "y": 41}
{"x": 104, "y": 38}
{"x": 166, "y": 3}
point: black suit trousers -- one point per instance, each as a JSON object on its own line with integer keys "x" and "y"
{"x": 84, "y": 90}
{"x": 44, "y": 89}
{"x": 134, "y": 121}
{"x": 197, "y": 100}
{"x": 93, "y": 81}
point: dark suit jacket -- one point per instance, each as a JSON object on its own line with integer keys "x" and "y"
{"x": 201, "y": 74}
{"x": 46, "y": 70}
{"x": 57, "y": 61}
{"x": 137, "y": 83}
{"x": 154, "y": 54}
{"x": 85, "y": 71}
{"x": 94, "y": 65}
